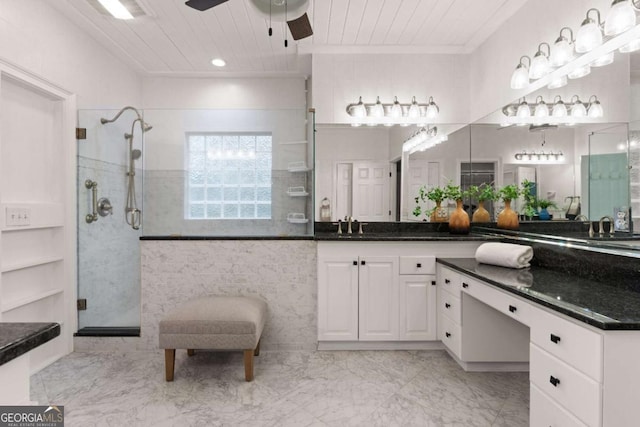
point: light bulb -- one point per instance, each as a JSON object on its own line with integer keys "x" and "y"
{"x": 620, "y": 18}
{"x": 605, "y": 59}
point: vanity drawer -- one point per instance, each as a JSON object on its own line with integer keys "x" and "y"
{"x": 449, "y": 280}
{"x": 570, "y": 388}
{"x": 417, "y": 265}
{"x": 450, "y": 333}
{"x": 576, "y": 345}
{"x": 449, "y": 306}
{"x": 544, "y": 412}
{"x": 510, "y": 305}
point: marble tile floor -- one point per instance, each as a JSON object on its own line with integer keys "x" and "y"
{"x": 294, "y": 388}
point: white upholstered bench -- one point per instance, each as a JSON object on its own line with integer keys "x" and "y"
{"x": 214, "y": 323}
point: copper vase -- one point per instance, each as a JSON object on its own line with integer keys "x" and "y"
{"x": 439, "y": 214}
{"x": 459, "y": 220}
{"x": 508, "y": 218}
{"x": 481, "y": 214}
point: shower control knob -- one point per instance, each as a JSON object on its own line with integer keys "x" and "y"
{"x": 104, "y": 207}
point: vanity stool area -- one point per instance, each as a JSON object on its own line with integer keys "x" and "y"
{"x": 214, "y": 323}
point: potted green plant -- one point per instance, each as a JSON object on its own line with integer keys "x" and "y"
{"x": 436, "y": 195}
{"x": 483, "y": 193}
{"x": 508, "y": 218}
{"x": 459, "y": 219}
{"x": 544, "y": 204}
{"x": 530, "y": 199}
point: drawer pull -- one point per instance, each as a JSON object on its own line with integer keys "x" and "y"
{"x": 355, "y": 262}
{"x": 447, "y": 305}
{"x": 362, "y": 262}
{"x": 465, "y": 285}
{"x": 447, "y": 334}
{"x": 447, "y": 281}
{"x": 433, "y": 283}
{"x": 419, "y": 265}
{"x": 553, "y": 380}
{"x": 555, "y": 338}
{"x": 513, "y": 308}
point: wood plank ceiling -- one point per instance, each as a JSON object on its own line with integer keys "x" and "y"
{"x": 174, "y": 39}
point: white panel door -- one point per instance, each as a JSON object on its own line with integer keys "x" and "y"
{"x": 379, "y": 299}
{"x": 417, "y": 308}
{"x": 371, "y": 191}
{"x": 338, "y": 299}
{"x": 421, "y": 172}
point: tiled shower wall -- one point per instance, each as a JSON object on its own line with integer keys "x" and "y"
{"x": 108, "y": 249}
{"x": 164, "y": 202}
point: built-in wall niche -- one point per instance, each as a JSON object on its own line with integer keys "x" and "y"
{"x": 37, "y": 215}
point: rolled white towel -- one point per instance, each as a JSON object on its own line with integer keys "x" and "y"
{"x": 504, "y": 254}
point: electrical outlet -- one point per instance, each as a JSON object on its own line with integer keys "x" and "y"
{"x": 17, "y": 217}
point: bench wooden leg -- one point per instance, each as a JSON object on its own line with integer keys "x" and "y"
{"x": 169, "y": 363}
{"x": 190, "y": 352}
{"x": 256, "y": 352}
{"x": 248, "y": 365}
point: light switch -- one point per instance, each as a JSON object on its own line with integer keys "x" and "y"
{"x": 17, "y": 217}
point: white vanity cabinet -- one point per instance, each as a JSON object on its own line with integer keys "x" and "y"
{"x": 380, "y": 292}
{"x": 580, "y": 375}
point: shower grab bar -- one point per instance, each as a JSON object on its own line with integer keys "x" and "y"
{"x": 93, "y": 186}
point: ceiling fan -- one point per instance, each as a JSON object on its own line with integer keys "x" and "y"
{"x": 299, "y": 27}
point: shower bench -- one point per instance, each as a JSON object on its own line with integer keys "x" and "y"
{"x": 214, "y": 323}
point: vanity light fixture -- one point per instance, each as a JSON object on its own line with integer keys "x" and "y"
{"x": 520, "y": 76}
{"x": 540, "y": 63}
{"x": 589, "y": 35}
{"x": 395, "y": 113}
{"x": 422, "y": 139}
{"x": 539, "y": 156}
{"x": 594, "y": 46}
{"x": 556, "y": 112}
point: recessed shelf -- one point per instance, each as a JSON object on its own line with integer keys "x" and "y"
{"x": 12, "y": 305}
{"x": 11, "y": 229}
{"x": 31, "y": 263}
{"x": 298, "y": 167}
{"x": 297, "y": 218}
{"x": 293, "y": 142}
{"x": 297, "y": 192}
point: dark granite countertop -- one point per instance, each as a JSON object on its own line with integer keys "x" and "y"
{"x": 403, "y": 237}
{"x": 18, "y": 338}
{"x": 180, "y": 237}
{"x": 599, "y": 303}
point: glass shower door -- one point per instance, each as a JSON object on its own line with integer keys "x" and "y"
{"x": 108, "y": 246}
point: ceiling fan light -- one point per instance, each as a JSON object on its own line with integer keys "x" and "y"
{"x": 557, "y": 82}
{"x": 620, "y": 18}
{"x": 605, "y": 59}
{"x": 589, "y": 35}
{"x": 579, "y": 72}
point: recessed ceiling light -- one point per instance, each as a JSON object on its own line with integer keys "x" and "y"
{"x": 218, "y": 62}
{"x": 117, "y": 9}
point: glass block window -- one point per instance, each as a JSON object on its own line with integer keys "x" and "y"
{"x": 229, "y": 176}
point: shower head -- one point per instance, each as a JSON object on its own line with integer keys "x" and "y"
{"x": 128, "y": 107}
{"x": 136, "y": 154}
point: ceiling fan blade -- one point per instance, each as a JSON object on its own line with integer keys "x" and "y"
{"x": 203, "y": 5}
{"x": 300, "y": 27}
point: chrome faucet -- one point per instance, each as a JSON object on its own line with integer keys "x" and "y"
{"x": 581, "y": 217}
{"x": 601, "y": 226}
{"x": 349, "y": 220}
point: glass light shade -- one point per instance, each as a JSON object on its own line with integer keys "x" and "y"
{"x": 377, "y": 110}
{"x": 556, "y": 83}
{"x": 561, "y": 53}
{"x": 414, "y": 109}
{"x": 632, "y": 46}
{"x": 605, "y": 59}
{"x": 579, "y": 72}
{"x": 595, "y": 110}
{"x": 359, "y": 110}
{"x": 432, "y": 111}
{"x": 520, "y": 77}
{"x": 589, "y": 37}
{"x": 541, "y": 110}
{"x": 559, "y": 109}
{"x": 620, "y": 18}
{"x": 578, "y": 109}
{"x": 539, "y": 66}
{"x": 523, "y": 111}
{"x": 396, "y": 109}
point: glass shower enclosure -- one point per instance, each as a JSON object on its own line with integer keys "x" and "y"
{"x": 109, "y": 185}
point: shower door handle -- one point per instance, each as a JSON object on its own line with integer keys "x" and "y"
{"x": 93, "y": 186}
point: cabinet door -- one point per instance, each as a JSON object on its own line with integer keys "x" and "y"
{"x": 379, "y": 299}
{"x": 338, "y": 299}
{"x": 417, "y": 308}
